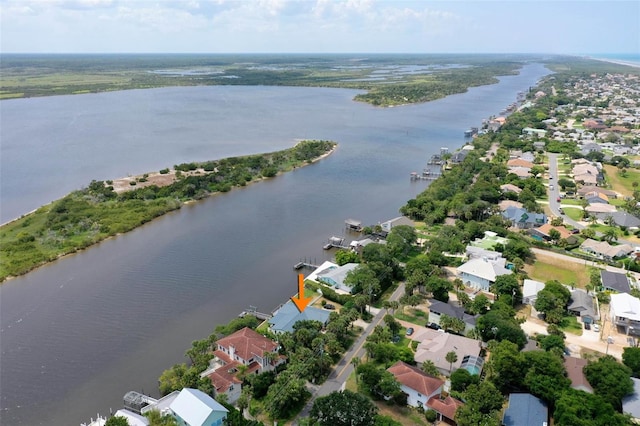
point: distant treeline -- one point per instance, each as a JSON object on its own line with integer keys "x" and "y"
{"x": 429, "y": 76}
{"x": 92, "y": 214}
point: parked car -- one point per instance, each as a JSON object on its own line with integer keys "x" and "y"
{"x": 410, "y": 331}
{"x": 596, "y": 327}
{"x": 433, "y": 326}
{"x": 329, "y": 306}
{"x": 587, "y": 326}
{"x": 558, "y": 199}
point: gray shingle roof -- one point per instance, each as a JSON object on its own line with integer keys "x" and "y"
{"x": 615, "y": 281}
{"x": 525, "y": 410}
{"x": 288, "y": 315}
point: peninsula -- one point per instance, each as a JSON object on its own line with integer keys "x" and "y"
{"x": 103, "y": 209}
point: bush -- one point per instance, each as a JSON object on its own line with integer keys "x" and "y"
{"x": 164, "y": 171}
{"x": 431, "y": 416}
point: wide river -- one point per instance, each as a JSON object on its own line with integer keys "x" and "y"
{"x": 76, "y": 335}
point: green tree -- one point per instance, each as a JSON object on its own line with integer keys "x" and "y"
{"x": 156, "y": 418}
{"x": 545, "y": 375}
{"x": 344, "y": 408}
{"x": 451, "y": 357}
{"x": 506, "y": 367}
{"x": 610, "y": 234}
{"x": 461, "y": 379}
{"x": 483, "y": 403}
{"x": 579, "y": 408}
{"x": 609, "y": 379}
{"x": 452, "y": 323}
{"x": 430, "y": 368}
{"x": 631, "y": 358}
{"x": 286, "y": 395}
{"x": 346, "y": 256}
{"x": 507, "y": 285}
{"x": 117, "y": 421}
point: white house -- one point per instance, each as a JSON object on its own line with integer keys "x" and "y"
{"x": 530, "y": 290}
{"x": 418, "y": 385}
{"x": 624, "y": 311}
{"x": 481, "y": 273}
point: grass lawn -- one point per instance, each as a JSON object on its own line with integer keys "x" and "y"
{"x": 575, "y": 214}
{"x": 571, "y": 325}
{"x": 412, "y": 315}
{"x": 571, "y": 202}
{"x": 622, "y": 184}
{"x": 547, "y": 268}
{"x": 405, "y": 415}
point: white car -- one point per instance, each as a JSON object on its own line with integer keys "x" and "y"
{"x": 596, "y": 327}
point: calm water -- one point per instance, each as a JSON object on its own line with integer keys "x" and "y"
{"x": 78, "y": 334}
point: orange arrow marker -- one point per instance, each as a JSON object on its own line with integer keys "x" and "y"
{"x": 301, "y": 301}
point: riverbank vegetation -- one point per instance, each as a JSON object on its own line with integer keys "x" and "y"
{"x": 388, "y": 79}
{"x": 96, "y": 212}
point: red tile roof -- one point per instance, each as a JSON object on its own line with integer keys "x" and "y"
{"x": 415, "y": 378}
{"x": 224, "y": 377}
{"x": 447, "y": 407}
{"x": 247, "y": 343}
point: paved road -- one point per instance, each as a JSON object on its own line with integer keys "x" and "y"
{"x": 344, "y": 368}
{"x": 554, "y": 193}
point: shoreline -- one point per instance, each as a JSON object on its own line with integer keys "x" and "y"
{"x": 615, "y": 61}
{"x": 188, "y": 202}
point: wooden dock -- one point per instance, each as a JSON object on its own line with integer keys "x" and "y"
{"x": 253, "y": 311}
{"x": 305, "y": 264}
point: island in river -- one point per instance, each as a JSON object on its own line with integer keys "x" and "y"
{"x": 103, "y": 209}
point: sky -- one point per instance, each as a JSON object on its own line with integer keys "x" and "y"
{"x": 320, "y": 26}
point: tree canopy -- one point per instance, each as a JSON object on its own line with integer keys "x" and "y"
{"x": 344, "y": 408}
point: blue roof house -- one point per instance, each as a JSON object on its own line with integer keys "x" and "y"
{"x": 523, "y": 219}
{"x": 286, "y": 316}
{"x": 195, "y": 408}
{"x": 525, "y": 410}
{"x": 335, "y": 276}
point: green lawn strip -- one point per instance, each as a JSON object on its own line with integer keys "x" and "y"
{"x": 575, "y": 214}
{"x": 414, "y": 316}
{"x": 571, "y": 325}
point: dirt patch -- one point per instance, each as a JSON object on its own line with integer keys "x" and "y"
{"x": 148, "y": 179}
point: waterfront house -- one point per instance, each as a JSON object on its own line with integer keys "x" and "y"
{"x": 525, "y": 409}
{"x": 193, "y": 407}
{"x": 614, "y": 281}
{"x": 433, "y": 345}
{"x": 624, "y": 311}
{"x": 335, "y": 276}
{"x": 288, "y": 314}
{"x": 400, "y": 220}
{"x": 133, "y": 419}
{"x": 530, "y": 290}
{"x": 575, "y": 373}
{"x": 190, "y": 407}
{"x": 482, "y": 273}
{"x": 244, "y": 347}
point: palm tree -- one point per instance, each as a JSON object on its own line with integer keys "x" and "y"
{"x": 355, "y": 361}
{"x": 610, "y": 235}
{"x": 451, "y": 357}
